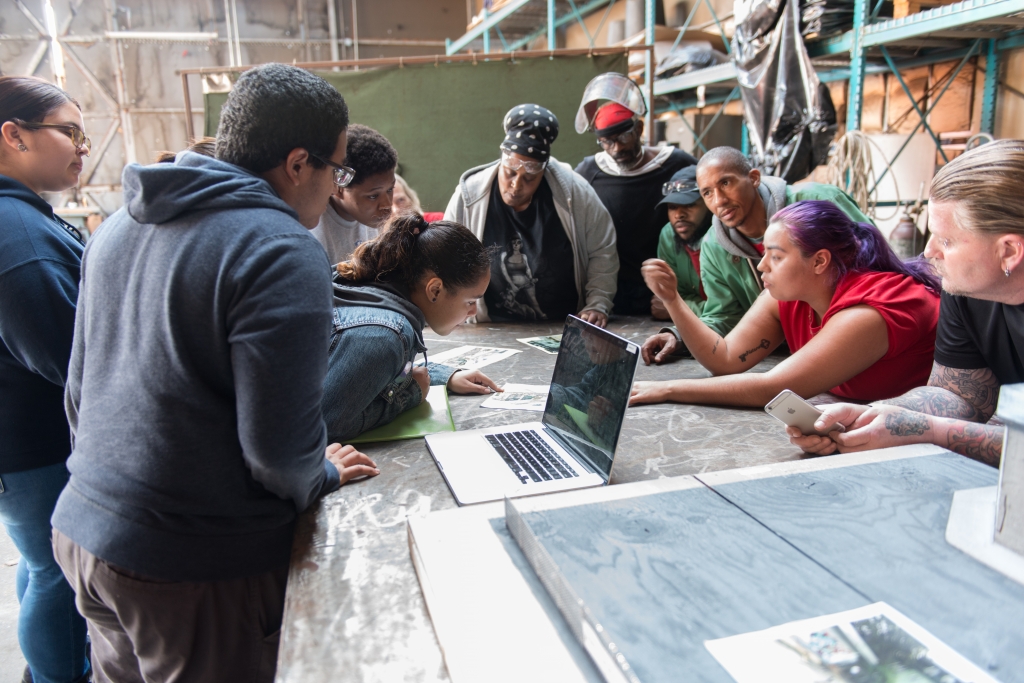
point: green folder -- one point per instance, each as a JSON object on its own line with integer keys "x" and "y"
{"x": 430, "y": 417}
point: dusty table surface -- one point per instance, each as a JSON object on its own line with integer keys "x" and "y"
{"x": 354, "y": 611}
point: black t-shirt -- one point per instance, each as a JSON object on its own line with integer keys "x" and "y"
{"x": 981, "y": 334}
{"x": 532, "y": 271}
{"x": 631, "y": 201}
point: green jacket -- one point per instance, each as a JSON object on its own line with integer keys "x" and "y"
{"x": 728, "y": 262}
{"x": 687, "y": 277}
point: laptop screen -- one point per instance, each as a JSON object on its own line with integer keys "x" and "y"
{"x": 590, "y": 390}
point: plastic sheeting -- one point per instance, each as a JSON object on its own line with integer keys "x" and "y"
{"x": 821, "y": 18}
{"x": 687, "y": 58}
{"x": 789, "y": 112}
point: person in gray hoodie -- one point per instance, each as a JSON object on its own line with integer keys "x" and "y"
{"x": 194, "y": 388}
{"x": 552, "y": 240}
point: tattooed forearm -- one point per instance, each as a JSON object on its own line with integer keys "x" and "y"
{"x": 979, "y": 442}
{"x": 907, "y": 424}
{"x": 978, "y": 387}
{"x": 763, "y": 345}
{"x": 715, "y": 347}
{"x": 938, "y": 402}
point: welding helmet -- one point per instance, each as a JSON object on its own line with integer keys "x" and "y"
{"x": 609, "y": 87}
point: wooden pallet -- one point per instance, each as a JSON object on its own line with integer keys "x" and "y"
{"x": 902, "y": 8}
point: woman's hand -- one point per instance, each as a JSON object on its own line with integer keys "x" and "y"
{"x": 472, "y": 382}
{"x": 422, "y": 377}
{"x": 594, "y": 317}
{"x": 350, "y": 462}
{"x": 648, "y": 392}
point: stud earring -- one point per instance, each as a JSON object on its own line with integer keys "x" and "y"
{"x": 435, "y": 298}
{"x": 22, "y": 147}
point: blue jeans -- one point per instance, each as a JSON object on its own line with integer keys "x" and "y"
{"x": 50, "y": 629}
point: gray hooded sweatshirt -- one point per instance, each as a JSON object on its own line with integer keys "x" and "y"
{"x": 584, "y": 218}
{"x": 196, "y": 375}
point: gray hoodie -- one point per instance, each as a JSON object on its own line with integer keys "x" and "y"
{"x": 586, "y": 222}
{"x": 196, "y": 375}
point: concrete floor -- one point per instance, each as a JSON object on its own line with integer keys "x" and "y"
{"x": 11, "y": 662}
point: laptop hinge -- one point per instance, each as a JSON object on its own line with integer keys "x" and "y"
{"x": 570, "y": 448}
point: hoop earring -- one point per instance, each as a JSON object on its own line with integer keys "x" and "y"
{"x": 22, "y": 147}
{"x": 1007, "y": 271}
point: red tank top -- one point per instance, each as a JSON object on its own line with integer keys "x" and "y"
{"x": 911, "y": 313}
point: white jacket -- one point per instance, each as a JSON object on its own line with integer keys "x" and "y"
{"x": 586, "y": 222}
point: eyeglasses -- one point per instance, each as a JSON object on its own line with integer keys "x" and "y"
{"x": 673, "y": 186}
{"x": 529, "y": 167}
{"x": 78, "y": 137}
{"x": 626, "y": 138}
{"x": 343, "y": 175}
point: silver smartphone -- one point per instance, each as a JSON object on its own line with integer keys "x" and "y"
{"x": 793, "y": 411}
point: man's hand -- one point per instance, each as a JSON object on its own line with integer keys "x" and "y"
{"x": 660, "y": 279}
{"x": 658, "y": 347}
{"x": 648, "y": 392}
{"x": 350, "y": 462}
{"x": 658, "y": 310}
{"x": 471, "y": 382}
{"x": 594, "y": 317}
{"x": 422, "y": 377}
{"x": 867, "y": 427}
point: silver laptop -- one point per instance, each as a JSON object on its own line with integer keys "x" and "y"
{"x": 572, "y": 447}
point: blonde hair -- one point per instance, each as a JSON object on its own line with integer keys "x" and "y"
{"x": 985, "y": 186}
{"x": 414, "y": 199}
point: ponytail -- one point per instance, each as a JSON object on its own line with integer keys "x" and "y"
{"x": 408, "y": 247}
{"x": 860, "y": 247}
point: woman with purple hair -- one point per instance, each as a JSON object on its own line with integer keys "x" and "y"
{"x": 859, "y": 322}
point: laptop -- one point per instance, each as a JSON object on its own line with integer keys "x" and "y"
{"x": 572, "y": 447}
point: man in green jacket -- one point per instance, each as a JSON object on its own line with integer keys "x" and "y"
{"x": 743, "y": 202}
{"x": 687, "y": 220}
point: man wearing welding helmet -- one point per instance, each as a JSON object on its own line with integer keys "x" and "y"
{"x": 628, "y": 176}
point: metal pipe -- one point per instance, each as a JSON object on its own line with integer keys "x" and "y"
{"x": 56, "y": 53}
{"x": 551, "y": 25}
{"x": 190, "y": 132}
{"x": 227, "y": 28}
{"x": 170, "y": 36}
{"x": 117, "y": 54}
{"x": 332, "y": 28}
{"x": 355, "y": 32}
{"x": 234, "y": 23}
{"x": 649, "y": 15}
{"x": 300, "y": 11}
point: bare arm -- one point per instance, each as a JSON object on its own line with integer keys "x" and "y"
{"x": 849, "y": 343}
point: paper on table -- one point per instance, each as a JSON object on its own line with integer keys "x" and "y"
{"x": 471, "y": 357}
{"x": 430, "y": 417}
{"x": 875, "y": 642}
{"x": 548, "y": 343}
{"x": 519, "y": 397}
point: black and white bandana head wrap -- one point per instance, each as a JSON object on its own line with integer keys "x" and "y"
{"x": 529, "y": 130}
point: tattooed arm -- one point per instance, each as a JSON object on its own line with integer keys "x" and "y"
{"x": 897, "y": 423}
{"x": 951, "y": 392}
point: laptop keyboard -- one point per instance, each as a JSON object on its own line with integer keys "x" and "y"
{"x": 529, "y": 456}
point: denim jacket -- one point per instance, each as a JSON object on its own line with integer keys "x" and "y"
{"x": 376, "y": 333}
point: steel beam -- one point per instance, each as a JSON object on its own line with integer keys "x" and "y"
{"x": 991, "y": 90}
{"x": 481, "y": 29}
{"x": 559, "y": 22}
{"x": 855, "y": 98}
{"x": 712, "y": 74}
{"x": 939, "y": 19}
{"x": 552, "y": 43}
{"x": 913, "y": 101}
{"x": 649, "y": 18}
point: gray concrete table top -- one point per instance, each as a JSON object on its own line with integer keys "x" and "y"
{"x": 354, "y": 611}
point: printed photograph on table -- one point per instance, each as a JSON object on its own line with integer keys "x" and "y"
{"x": 471, "y": 357}
{"x": 872, "y": 644}
{"x": 548, "y": 343}
{"x": 519, "y": 397}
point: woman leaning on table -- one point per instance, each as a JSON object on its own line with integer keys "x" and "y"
{"x": 860, "y": 323}
{"x": 42, "y": 145}
{"x": 976, "y": 217}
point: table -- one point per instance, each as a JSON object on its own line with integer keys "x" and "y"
{"x": 354, "y": 611}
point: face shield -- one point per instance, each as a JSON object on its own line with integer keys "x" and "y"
{"x": 609, "y": 87}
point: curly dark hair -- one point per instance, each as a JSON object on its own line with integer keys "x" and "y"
{"x": 275, "y": 108}
{"x": 369, "y": 153}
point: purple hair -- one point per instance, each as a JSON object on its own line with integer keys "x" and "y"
{"x": 855, "y": 247}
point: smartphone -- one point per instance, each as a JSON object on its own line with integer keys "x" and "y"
{"x": 793, "y": 411}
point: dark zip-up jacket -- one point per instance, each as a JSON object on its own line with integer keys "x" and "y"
{"x": 40, "y": 262}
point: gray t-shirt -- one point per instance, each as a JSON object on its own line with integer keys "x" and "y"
{"x": 339, "y": 236}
